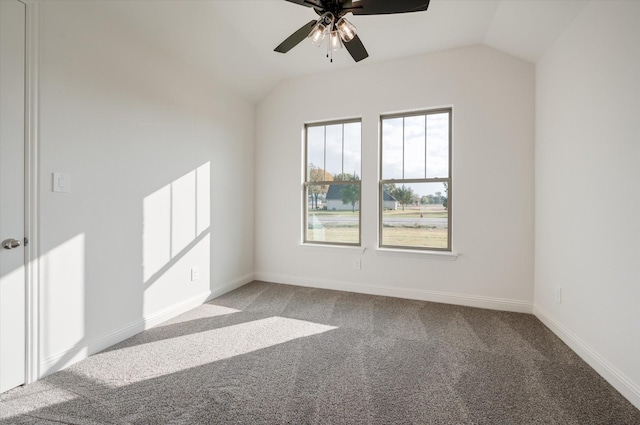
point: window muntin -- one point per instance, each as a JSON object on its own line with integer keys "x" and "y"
{"x": 332, "y": 183}
{"x": 415, "y": 189}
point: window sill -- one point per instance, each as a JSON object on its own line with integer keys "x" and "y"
{"x": 342, "y": 248}
{"x": 436, "y": 255}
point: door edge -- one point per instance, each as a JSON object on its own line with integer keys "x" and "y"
{"x": 32, "y": 190}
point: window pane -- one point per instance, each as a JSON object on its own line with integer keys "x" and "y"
{"x": 334, "y": 149}
{"x": 392, "y": 148}
{"x": 414, "y": 147}
{"x": 438, "y": 145}
{"x": 416, "y": 215}
{"x": 352, "y": 149}
{"x": 336, "y": 219}
{"x": 315, "y": 151}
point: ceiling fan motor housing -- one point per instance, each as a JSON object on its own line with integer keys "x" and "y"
{"x": 335, "y": 7}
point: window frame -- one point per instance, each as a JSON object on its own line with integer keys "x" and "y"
{"x": 382, "y": 182}
{"x": 306, "y": 184}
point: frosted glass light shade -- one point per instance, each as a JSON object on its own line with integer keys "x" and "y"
{"x": 346, "y": 30}
{"x": 318, "y": 33}
{"x": 335, "y": 41}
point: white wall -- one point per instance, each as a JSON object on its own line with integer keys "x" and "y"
{"x": 588, "y": 190}
{"x": 492, "y": 95}
{"x": 161, "y": 163}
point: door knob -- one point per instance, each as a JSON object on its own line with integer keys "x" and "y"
{"x": 11, "y": 243}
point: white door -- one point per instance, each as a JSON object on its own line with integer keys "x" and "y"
{"x": 12, "y": 228}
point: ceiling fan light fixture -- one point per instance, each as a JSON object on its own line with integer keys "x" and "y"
{"x": 332, "y": 19}
{"x": 318, "y": 33}
{"x": 346, "y": 30}
{"x": 335, "y": 41}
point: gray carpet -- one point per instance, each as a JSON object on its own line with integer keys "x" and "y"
{"x": 276, "y": 354}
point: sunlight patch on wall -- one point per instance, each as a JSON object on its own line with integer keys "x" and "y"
{"x": 203, "y": 198}
{"x": 156, "y": 240}
{"x": 174, "y": 216}
{"x": 63, "y": 286}
{"x": 183, "y": 212}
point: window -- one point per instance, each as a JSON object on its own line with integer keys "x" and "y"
{"x": 415, "y": 185}
{"x": 332, "y": 183}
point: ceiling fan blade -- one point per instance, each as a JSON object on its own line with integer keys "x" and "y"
{"x": 295, "y": 38}
{"x": 356, "y": 49}
{"x": 384, "y": 7}
{"x": 308, "y": 3}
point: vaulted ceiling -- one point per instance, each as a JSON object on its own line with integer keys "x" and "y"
{"x": 233, "y": 40}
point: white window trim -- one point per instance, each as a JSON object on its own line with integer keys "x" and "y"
{"x": 423, "y": 251}
{"x": 306, "y": 184}
{"x": 422, "y": 254}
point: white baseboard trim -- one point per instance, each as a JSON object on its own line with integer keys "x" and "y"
{"x": 169, "y": 312}
{"x": 414, "y": 294}
{"x": 615, "y": 377}
{"x": 65, "y": 358}
{"x": 234, "y": 284}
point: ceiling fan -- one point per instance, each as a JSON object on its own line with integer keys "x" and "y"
{"x": 340, "y": 31}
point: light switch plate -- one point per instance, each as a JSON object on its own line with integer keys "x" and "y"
{"x": 62, "y": 182}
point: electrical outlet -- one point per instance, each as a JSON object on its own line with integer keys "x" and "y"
{"x": 195, "y": 273}
{"x": 558, "y": 294}
{"x": 357, "y": 264}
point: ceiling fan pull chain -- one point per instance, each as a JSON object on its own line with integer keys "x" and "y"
{"x": 328, "y": 47}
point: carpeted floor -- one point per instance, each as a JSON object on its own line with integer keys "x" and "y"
{"x": 276, "y": 354}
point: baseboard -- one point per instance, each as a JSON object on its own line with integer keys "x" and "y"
{"x": 182, "y": 307}
{"x": 615, "y": 377}
{"x": 503, "y": 304}
{"x": 74, "y": 354}
{"x": 234, "y": 284}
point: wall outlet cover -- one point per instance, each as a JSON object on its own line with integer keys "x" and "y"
{"x": 558, "y": 294}
{"x": 195, "y": 273}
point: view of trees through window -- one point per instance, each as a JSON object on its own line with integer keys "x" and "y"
{"x": 332, "y": 182}
{"x": 415, "y": 186}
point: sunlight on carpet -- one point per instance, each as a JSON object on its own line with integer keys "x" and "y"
{"x": 136, "y": 363}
